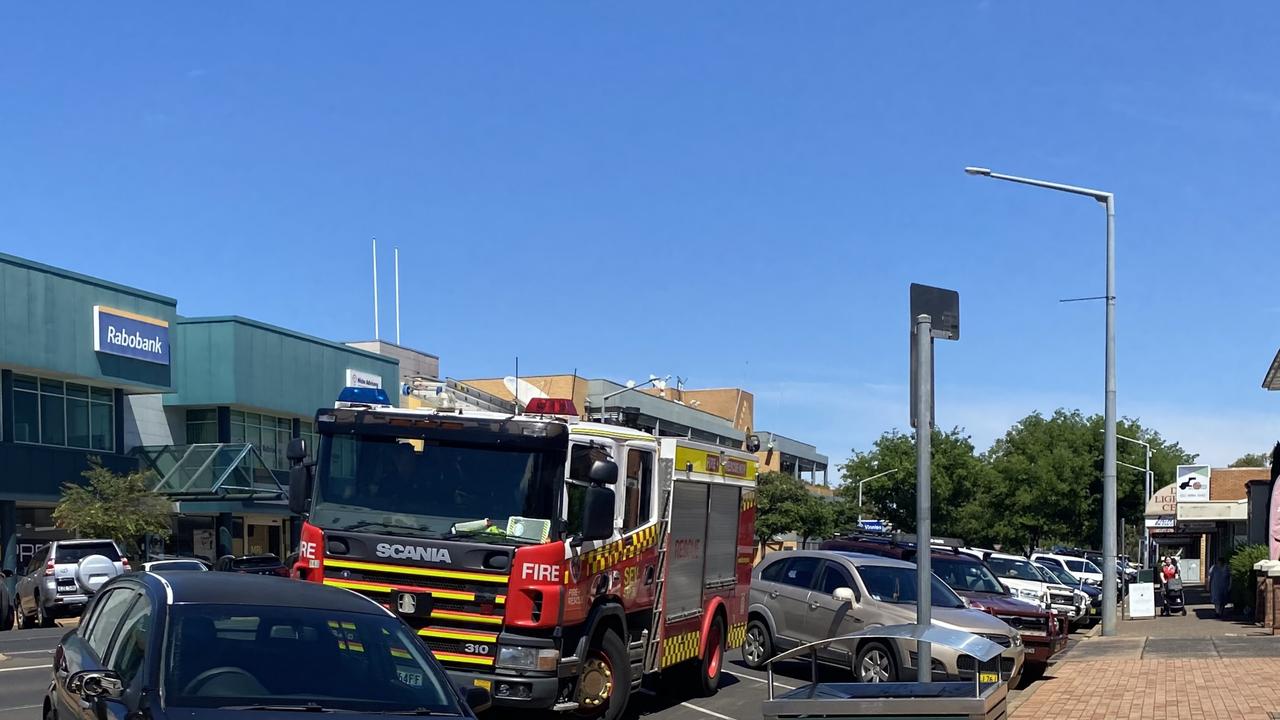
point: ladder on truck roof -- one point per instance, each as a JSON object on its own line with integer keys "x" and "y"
{"x": 660, "y": 575}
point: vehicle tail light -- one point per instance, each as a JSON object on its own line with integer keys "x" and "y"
{"x": 48, "y": 568}
{"x": 125, "y": 562}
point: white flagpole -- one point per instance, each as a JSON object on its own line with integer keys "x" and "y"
{"x": 375, "y": 289}
{"x": 397, "y": 254}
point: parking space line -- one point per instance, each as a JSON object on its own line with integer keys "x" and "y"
{"x": 712, "y": 713}
{"x": 28, "y": 652}
{"x": 20, "y": 707}
{"x": 762, "y": 682}
{"x": 25, "y": 667}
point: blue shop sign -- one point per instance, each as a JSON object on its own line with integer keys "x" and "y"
{"x": 119, "y": 332}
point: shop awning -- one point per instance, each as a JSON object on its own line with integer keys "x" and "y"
{"x": 212, "y": 471}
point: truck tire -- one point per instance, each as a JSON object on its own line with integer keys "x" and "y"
{"x": 712, "y": 661}
{"x": 604, "y": 683}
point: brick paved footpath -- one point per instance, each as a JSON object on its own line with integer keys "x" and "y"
{"x": 1193, "y": 668}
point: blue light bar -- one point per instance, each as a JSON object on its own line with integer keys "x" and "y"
{"x": 364, "y": 395}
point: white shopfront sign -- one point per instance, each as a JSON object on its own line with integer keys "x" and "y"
{"x": 357, "y": 378}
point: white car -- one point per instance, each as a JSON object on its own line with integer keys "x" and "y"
{"x": 1024, "y": 581}
{"x": 1078, "y": 567}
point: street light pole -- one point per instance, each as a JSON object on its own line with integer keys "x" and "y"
{"x": 1148, "y": 488}
{"x": 1109, "y": 405}
{"x": 873, "y": 477}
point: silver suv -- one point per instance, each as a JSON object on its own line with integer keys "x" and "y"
{"x": 802, "y": 596}
{"x": 61, "y": 578}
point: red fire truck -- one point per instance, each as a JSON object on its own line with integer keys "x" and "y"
{"x": 560, "y": 561}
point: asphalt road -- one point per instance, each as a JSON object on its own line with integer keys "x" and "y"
{"x": 24, "y": 678}
{"x": 25, "y": 671}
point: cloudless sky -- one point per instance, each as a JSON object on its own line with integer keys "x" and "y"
{"x": 735, "y": 193}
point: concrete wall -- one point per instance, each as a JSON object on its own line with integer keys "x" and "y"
{"x": 413, "y": 363}
{"x": 146, "y": 423}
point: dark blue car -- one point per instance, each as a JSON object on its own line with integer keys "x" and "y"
{"x": 210, "y": 646}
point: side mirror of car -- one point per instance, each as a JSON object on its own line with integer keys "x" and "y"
{"x": 844, "y": 595}
{"x": 299, "y": 488}
{"x": 603, "y": 472}
{"x": 478, "y": 699}
{"x": 597, "y": 513}
{"x": 96, "y": 684}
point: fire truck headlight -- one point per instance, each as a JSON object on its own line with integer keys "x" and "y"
{"x": 523, "y": 658}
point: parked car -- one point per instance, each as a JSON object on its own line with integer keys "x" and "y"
{"x": 1088, "y": 597}
{"x": 176, "y": 565}
{"x": 202, "y": 645}
{"x": 1078, "y": 567}
{"x": 252, "y": 564}
{"x": 802, "y": 596}
{"x": 7, "y": 620}
{"x": 62, "y": 576}
{"x": 1043, "y": 633}
{"x": 1022, "y": 578}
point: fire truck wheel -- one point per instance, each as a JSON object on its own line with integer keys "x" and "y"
{"x": 712, "y": 661}
{"x": 605, "y": 680}
{"x": 757, "y": 648}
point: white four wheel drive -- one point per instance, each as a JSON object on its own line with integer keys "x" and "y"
{"x": 1023, "y": 580}
{"x": 61, "y": 578}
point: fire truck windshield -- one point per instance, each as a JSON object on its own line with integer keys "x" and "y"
{"x": 427, "y": 488}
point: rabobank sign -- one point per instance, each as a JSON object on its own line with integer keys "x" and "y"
{"x": 119, "y": 332}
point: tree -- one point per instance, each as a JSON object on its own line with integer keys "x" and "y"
{"x": 782, "y": 503}
{"x": 818, "y": 519}
{"x": 1252, "y": 460}
{"x": 957, "y": 473}
{"x": 114, "y": 506}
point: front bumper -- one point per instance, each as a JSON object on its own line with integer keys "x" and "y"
{"x": 512, "y": 690}
{"x": 949, "y": 665}
{"x": 1040, "y": 648}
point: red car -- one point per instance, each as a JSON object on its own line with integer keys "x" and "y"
{"x": 1043, "y": 633}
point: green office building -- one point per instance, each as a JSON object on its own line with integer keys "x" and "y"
{"x": 95, "y": 372}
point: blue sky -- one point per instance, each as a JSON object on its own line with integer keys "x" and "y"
{"x": 735, "y": 193}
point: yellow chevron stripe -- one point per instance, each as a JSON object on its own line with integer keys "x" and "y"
{"x": 421, "y": 571}
{"x": 458, "y": 657}
{"x": 458, "y": 634}
{"x": 465, "y": 617}
{"x": 378, "y": 587}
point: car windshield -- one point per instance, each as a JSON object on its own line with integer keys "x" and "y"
{"x": 425, "y": 488}
{"x": 1082, "y": 566}
{"x": 898, "y": 585}
{"x": 1058, "y": 575}
{"x": 966, "y": 575}
{"x": 235, "y": 656}
{"x": 1014, "y": 568}
{"x": 75, "y": 552}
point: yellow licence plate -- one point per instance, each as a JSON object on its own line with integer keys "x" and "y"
{"x": 987, "y": 677}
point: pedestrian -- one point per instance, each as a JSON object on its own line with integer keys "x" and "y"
{"x": 1220, "y": 585}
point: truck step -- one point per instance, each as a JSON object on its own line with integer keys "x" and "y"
{"x": 564, "y": 706}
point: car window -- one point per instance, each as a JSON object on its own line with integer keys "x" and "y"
{"x": 1013, "y": 568}
{"x": 69, "y": 554}
{"x": 37, "y": 560}
{"x": 834, "y": 577}
{"x": 801, "y": 571}
{"x": 1051, "y": 562}
{"x": 967, "y": 575}
{"x": 107, "y": 613}
{"x": 130, "y": 646}
{"x": 773, "y": 572}
{"x": 220, "y": 655}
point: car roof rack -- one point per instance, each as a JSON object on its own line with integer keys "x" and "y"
{"x": 906, "y": 540}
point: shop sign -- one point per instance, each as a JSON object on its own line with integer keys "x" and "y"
{"x": 1193, "y": 483}
{"x": 1163, "y": 502}
{"x": 1163, "y": 521}
{"x": 120, "y": 332}
{"x": 356, "y": 378}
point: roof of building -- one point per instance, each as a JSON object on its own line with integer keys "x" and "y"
{"x": 791, "y": 446}
{"x": 237, "y": 319}
{"x": 1272, "y": 379}
{"x": 228, "y": 588}
{"x": 87, "y": 279}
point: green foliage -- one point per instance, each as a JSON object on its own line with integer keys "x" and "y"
{"x": 1242, "y": 580}
{"x": 818, "y": 519}
{"x": 119, "y": 507}
{"x": 781, "y": 505}
{"x": 957, "y": 473}
{"x": 1252, "y": 460}
{"x": 1041, "y": 480}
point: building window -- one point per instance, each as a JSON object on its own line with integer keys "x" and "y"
{"x": 202, "y": 425}
{"x": 308, "y": 433}
{"x": 267, "y": 433}
{"x": 54, "y": 412}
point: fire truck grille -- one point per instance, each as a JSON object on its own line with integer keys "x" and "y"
{"x": 1025, "y": 624}
{"x": 466, "y": 615}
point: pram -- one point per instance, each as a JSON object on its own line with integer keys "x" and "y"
{"x": 1173, "y": 601}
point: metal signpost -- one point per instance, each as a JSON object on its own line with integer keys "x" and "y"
{"x": 935, "y": 313}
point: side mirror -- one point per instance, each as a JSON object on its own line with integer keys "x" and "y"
{"x": 96, "y": 684}
{"x": 597, "y": 513}
{"x": 603, "y": 472}
{"x": 753, "y": 443}
{"x": 296, "y": 452}
{"x": 844, "y": 595}
{"x": 299, "y": 486}
{"x": 478, "y": 699}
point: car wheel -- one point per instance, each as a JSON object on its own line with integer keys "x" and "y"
{"x": 875, "y": 664}
{"x": 43, "y": 618}
{"x": 757, "y": 646}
